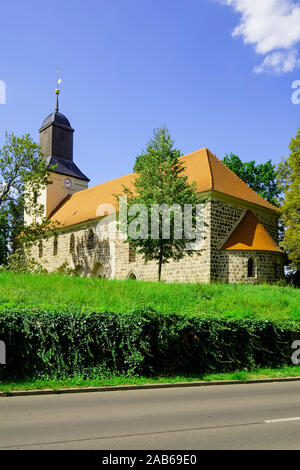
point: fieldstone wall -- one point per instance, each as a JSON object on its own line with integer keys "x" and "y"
{"x": 229, "y": 266}
{"x": 87, "y": 255}
{"x": 103, "y": 253}
{"x": 267, "y": 266}
{"x": 194, "y": 268}
{"x": 111, "y": 257}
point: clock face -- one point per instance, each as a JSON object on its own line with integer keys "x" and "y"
{"x": 68, "y": 183}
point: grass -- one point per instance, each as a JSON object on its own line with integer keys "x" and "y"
{"x": 288, "y": 371}
{"x": 54, "y": 291}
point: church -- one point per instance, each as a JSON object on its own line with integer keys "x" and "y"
{"x": 241, "y": 228}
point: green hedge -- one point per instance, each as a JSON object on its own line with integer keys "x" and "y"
{"x": 56, "y": 344}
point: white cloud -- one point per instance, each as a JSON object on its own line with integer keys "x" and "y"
{"x": 279, "y": 62}
{"x": 273, "y": 28}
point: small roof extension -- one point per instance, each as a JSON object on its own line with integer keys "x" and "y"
{"x": 250, "y": 235}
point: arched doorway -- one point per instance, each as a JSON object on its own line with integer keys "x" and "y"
{"x": 98, "y": 271}
{"x": 132, "y": 276}
{"x": 79, "y": 271}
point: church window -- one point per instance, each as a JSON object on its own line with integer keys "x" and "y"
{"x": 55, "y": 246}
{"x": 250, "y": 267}
{"x": 90, "y": 240}
{"x": 132, "y": 256}
{"x": 72, "y": 243}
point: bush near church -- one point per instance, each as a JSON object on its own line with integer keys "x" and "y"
{"x": 57, "y": 344}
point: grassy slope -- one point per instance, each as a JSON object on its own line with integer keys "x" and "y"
{"x": 48, "y": 291}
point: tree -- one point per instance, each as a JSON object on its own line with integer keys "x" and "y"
{"x": 261, "y": 178}
{"x": 23, "y": 174}
{"x": 161, "y": 188}
{"x": 289, "y": 183}
{"x": 4, "y": 236}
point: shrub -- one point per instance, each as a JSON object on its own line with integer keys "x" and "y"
{"x": 57, "y": 344}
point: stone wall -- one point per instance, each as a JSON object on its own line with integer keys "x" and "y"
{"x": 194, "y": 268}
{"x": 88, "y": 255}
{"x": 228, "y": 266}
{"x": 267, "y": 266}
{"x": 108, "y": 256}
{"x": 113, "y": 256}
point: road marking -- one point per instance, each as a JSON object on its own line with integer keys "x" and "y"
{"x": 282, "y": 420}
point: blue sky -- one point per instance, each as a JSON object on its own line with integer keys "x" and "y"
{"x": 130, "y": 66}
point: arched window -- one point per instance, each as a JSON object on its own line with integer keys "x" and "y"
{"x": 90, "y": 240}
{"x": 72, "y": 243}
{"x": 131, "y": 255}
{"x": 250, "y": 267}
{"x": 40, "y": 248}
{"x": 55, "y": 246}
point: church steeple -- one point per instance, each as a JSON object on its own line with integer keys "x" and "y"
{"x": 56, "y": 141}
{"x": 56, "y": 135}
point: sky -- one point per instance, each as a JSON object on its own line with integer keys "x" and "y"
{"x": 217, "y": 73}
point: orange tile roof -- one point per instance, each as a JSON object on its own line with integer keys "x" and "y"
{"x": 82, "y": 206}
{"x": 250, "y": 234}
{"x": 201, "y": 166}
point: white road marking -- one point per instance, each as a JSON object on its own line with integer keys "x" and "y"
{"x": 282, "y": 420}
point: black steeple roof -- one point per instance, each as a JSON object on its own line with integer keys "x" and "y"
{"x": 66, "y": 167}
{"x": 56, "y": 118}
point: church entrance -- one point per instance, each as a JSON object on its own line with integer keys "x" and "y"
{"x": 98, "y": 271}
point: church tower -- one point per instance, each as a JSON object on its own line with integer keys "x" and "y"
{"x": 56, "y": 142}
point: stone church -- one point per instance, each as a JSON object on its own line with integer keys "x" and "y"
{"x": 241, "y": 230}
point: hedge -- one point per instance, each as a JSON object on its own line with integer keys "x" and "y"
{"x": 57, "y": 344}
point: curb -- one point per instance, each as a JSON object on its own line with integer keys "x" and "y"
{"x": 115, "y": 388}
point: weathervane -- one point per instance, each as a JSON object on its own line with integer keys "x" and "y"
{"x": 57, "y": 91}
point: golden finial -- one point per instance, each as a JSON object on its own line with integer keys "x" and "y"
{"x": 57, "y": 91}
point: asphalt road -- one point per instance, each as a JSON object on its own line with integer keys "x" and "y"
{"x": 254, "y": 416}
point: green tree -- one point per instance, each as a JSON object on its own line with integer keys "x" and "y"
{"x": 261, "y": 178}
{"x": 289, "y": 183}
{"x": 23, "y": 174}
{"x": 159, "y": 182}
{"x": 4, "y": 237}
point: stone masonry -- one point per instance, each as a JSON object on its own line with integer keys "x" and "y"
{"x": 83, "y": 251}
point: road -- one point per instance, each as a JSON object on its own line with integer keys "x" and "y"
{"x": 254, "y": 416}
